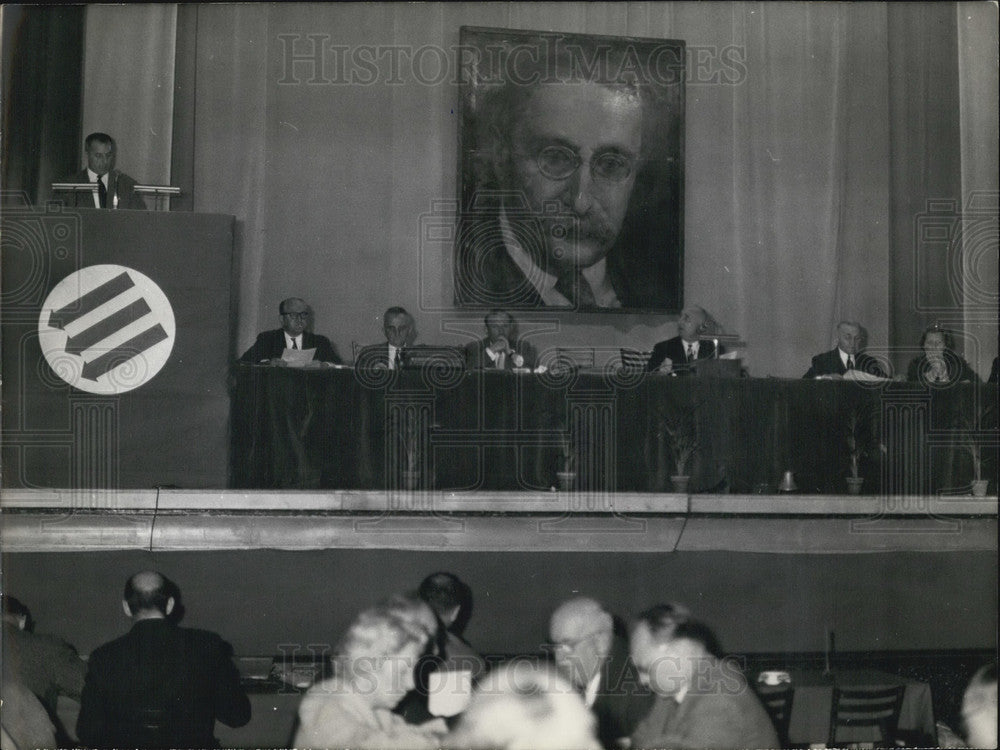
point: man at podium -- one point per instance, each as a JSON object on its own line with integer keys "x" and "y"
{"x": 115, "y": 189}
{"x": 271, "y": 345}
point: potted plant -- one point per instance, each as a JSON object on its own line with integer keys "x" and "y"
{"x": 567, "y": 477}
{"x": 969, "y": 441}
{"x": 861, "y": 437}
{"x": 681, "y": 432}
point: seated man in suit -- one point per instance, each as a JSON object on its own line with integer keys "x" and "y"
{"x": 847, "y": 355}
{"x": 397, "y": 325}
{"x": 701, "y": 700}
{"x": 115, "y": 189}
{"x": 159, "y": 685}
{"x": 270, "y": 345}
{"x": 500, "y": 350}
{"x": 593, "y": 659}
{"x": 676, "y": 355}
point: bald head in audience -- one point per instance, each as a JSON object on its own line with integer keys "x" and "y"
{"x": 147, "y": 596}
{"x": 581, "y": 631}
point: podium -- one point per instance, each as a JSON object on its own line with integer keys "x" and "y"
{"x": 117, "y": 343}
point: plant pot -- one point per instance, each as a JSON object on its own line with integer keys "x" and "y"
{"x": 854, "y": 485}
{"x": 979, "y": 487}
{"x": 411, "y": 479}
{"x": 567, "y": 480}
{"x": 679, "y": 482}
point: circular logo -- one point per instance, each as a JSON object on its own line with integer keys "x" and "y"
{"x": 106, "y": 329}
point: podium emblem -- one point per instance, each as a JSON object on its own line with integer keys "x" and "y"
{"x": 106, "y": 329}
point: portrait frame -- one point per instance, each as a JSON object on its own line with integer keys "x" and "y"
{"x": 644, "y": 259}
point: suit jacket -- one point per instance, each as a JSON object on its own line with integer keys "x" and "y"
{"x": 720, "y": 711}
{"x": 674, "y": 349}
{"x": 486, "y": 275}
{"x": 160, "y": 686}
{"x": 830, "y": 363}
{"x": 119, "y": 184}
{"x": 271, "y": 344}
{"x": 622, "y": 702}
{"x": 476, "y": 357}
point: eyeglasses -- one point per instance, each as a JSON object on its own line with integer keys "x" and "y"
{"x": 570, "y": 645}
{"x": 560, "y": 162}
{"x": 299, "y": 315}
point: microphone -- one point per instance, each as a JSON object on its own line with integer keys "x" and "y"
{"x": 114, "y": 192}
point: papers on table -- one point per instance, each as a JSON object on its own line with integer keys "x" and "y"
{"x": 298, "y": 357}
{"x": 860, "y": 376}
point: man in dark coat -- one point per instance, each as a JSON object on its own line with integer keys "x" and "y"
{"x": 159, "y": 685}
{"x": 847, "y": 355}
{"x": 677, "y": 355}
{"x": 589, "y": 654}
{"x": 500, "y": 350}
{"x": 270, "y": 345}
{"x": 115, "y": 189}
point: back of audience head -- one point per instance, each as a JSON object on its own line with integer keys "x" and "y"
{"x": 522, "y": 706}
{"x": 979, "y": 708}
{"x": 15, "y": 613}
{"x": 148, "y": 595}
{"x": 450, "y": 598}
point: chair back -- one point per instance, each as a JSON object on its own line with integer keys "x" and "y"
{"x": 778, "y": 704}
{"x": 581, "y": 356}
{"x": 633, "y": 359}
{"x": 861, "y": 707}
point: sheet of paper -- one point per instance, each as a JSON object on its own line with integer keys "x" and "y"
{"x": 298, "y": 357}
{"x": 448, "y": 691}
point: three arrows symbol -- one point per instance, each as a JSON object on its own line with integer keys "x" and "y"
{"x": 107, "y": 326}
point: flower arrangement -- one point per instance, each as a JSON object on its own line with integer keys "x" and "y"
{"x": 681, "y": 432}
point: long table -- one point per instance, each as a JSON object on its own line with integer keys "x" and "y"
{"x": 462, "y": 431}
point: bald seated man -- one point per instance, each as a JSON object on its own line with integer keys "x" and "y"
{"x": 676, "y": 356}
{"x": 295, "y": 316}
{"x": 159, "y": 685}
{"x": 591, "y": 657}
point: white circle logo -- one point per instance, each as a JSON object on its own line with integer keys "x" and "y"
{"x": 106, "y": 329}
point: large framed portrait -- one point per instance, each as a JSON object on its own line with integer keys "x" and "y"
{"x": 571, "y": 172}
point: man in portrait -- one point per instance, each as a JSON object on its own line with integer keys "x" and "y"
{"x": 568, "y": 198}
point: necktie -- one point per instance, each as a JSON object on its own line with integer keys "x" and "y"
{"x": 399, "y": 358}
{"x": 294, "y": 345}
{"x": 690, "y": 352}
{"x": 102, "y": 193}
{"x": 576, "y": 289}
{"x": 850, "y": 362}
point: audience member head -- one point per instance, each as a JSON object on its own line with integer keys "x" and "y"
{"x": 294, "y": 314}
{"x": 147, "y": 596}
{"x": 979, "y": 708}
{"x": 448, "y": 596}
{"x": 100, "y": 148}
{"x": 692, "y": 323}
{"x": 15, "y": 613}
{"x": 850, "y": 337}
{"x": 668, "y": 647}
{"x": 935, "y": 341}
{"x": 378, "y": 653}
{"x": 500, "y": 326}
{"x": 397, "y": 324}
{"x": 524, "y": 706}
{"x": 581, "y": 632}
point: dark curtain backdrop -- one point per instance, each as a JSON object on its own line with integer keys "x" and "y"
{"x": 42, "y": 65}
